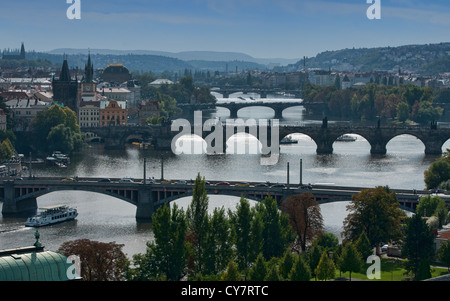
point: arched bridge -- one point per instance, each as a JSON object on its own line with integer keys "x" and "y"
{"x": 277, "y": 107}
{"x": 234, "y": 107}
{"x": 324, "y": 136}
{"x": 20, "y": 196}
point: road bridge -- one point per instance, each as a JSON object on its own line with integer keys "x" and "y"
{"x": 19, "y": 196}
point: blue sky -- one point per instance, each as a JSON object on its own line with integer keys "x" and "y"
{"x": 260, "y": 28}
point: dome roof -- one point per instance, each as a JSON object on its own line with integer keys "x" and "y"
{"x": 33, "y": 266}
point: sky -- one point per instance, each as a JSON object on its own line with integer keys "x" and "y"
{"x": 260, "y": 28}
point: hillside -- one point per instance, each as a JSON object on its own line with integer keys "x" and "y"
{"x": 140, "y": 63}
{"x": 426, "y": 59}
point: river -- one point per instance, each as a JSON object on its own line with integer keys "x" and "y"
{"x": 107, "y": 219}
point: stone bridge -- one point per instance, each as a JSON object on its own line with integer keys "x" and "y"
{"x": 324, "y": 136}
{"x": 277, "y": 107}
{"x": 20, "y": 197}
{"x": 226, "y": 91}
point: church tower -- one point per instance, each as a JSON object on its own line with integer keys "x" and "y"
{"x": 88, "y": 86}
{"x": 65, "y": 89}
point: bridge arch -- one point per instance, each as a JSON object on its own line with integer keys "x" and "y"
{"x": 243, "y": 143}
{"x": 408, "y": 143}
{"x": 129, "y": 197}
{"x": 223, "y": 193}
{"x": 351, "y": 142}
{"x": 190, "y": 144}
{"x": 301, "y": 141}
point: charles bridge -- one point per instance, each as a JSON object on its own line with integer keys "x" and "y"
{"x": 324, "y": 135}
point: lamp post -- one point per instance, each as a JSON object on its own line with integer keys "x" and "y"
{"x": 288, "y": 175}
{"x": 301, "y": 172}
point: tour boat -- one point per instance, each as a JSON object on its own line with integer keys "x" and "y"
{"x": 52, "y": 215}
{"x": 288, "y": 140}
{"x": 346, "y": 138}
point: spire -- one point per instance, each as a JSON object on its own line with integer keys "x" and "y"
{"x": 22, "y": 51}
{"x": 89, "y": 70}
{"x": 65, "y": 73}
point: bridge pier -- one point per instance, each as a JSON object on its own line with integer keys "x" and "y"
{"x": 433, "y": 147}
{"x": 278, "y": 113}
{"x": 145, "y": 209}
{"x": 378, "y": 149}
{"x": 10, "y": 204}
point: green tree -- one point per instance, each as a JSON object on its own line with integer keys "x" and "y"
{"x": 300, "y": 270}
{"x": 65, "y": 121}
{"x": 258, "y": 271}
{"x": 375, "y": 211}
{"x": 273, "y": 274}
{"x": 218, "y": 250}
{"x": 326, "y": 241}
{"x": 6, "y": 150}
{"x": 325, "y": 269}
{"x": 166, "y": 256}
{"x": 167, "y": 106}
{"x": 363, "y": 245}
{"x": 350, "y": 260}
{"x": 417, "y": 246}
{"x": 427, "y": 113}
{"x": 277, "y": 231}
{"x": 437, "y": 173}
{"x": 403, "y": 111}
{"x": 314, "y": 259}
{"x": 443, "y": 253}
{"x": 427, "y": 205}
{"x": 232, "y": 272}
{"x": 241, "y": 223}
{"x": 198, "y": 221}
{"x": 286, "y": 264}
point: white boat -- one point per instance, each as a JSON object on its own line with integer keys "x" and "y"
{"x": 288, "y": 140}
{"x": 346, "y": 138}
{"x": 52, "y": 215}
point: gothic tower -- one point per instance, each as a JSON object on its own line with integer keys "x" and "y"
{"x": 65, "y": 89}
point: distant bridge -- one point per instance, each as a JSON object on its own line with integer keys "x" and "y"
{"x": 324, "y": 136}
{"x": 20, "y": 196}
{"x": 277, "y": 107}
{"x": 226, "y": 91}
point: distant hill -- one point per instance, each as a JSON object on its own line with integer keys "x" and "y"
{"x": 426, "y": 59}
{"x": 184, "y": 55}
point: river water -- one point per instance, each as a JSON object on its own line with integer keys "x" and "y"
{"x": 107, "y": 219}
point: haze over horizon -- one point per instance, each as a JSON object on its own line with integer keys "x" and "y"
{"x": 288, "y": 29}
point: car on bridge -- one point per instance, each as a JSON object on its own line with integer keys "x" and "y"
{"x": 223, "y": 184}
{"x": 308, "y": 187}
{"x": 105, "y": 180}
{"x": 68, "y": 180}
{"x": 242, "y": 184}
{"x": 126, "y": 180}
{"x": 181, "y": 182}
{"x": 278, "y": 186}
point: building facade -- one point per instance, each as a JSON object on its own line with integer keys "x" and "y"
{"x": 113, "y": 113}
